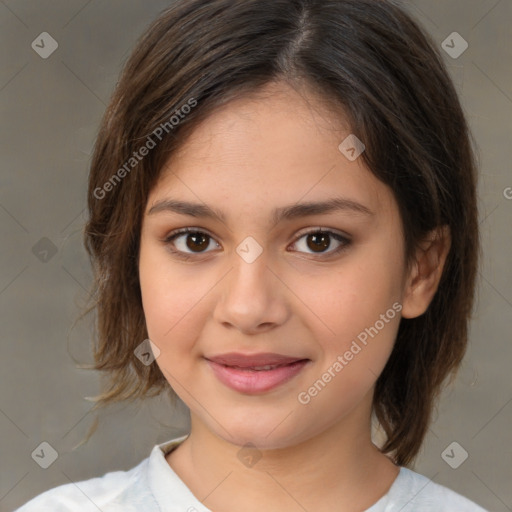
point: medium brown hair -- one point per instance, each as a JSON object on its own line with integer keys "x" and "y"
{"x": 368, "y": 57}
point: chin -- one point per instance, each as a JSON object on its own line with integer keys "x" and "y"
{"x": 273, "y": 432}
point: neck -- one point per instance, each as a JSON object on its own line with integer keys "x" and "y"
{"x": 339, "y": 468}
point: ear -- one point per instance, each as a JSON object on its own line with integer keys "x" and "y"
{"x": 425, "y": 274}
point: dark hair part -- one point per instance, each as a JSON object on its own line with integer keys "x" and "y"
{"x": 368, "y": 57}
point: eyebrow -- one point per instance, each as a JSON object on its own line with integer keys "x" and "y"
{"x": 284, "y": 213}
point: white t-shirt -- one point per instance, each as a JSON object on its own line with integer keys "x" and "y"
{"x": 152, "y": 486}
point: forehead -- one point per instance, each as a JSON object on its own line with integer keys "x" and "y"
{"x": 277, "y": 113}
{"x": 276, "y": 146}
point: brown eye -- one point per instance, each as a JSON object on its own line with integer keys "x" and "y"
{"x": 195, "y": 241}
{"x": 317, "y": 242}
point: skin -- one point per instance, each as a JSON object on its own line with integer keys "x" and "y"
{"x": 255, "y": 154}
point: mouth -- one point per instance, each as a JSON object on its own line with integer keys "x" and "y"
{"x": 255, "y": 373}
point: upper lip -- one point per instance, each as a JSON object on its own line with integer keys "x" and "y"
{"x": 250, "y": 360}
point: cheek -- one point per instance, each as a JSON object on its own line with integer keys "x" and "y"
{"x": 358, "y": 302}
{"x": 175, "y": 303}
{"x": 169, "y": 311}
{"x": 356, "y": 294}
{"x": 172, "y": 324}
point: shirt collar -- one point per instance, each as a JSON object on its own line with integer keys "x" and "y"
{"x": 170, "y": 492}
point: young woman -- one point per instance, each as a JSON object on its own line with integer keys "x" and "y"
{"x": 283, "y": 228}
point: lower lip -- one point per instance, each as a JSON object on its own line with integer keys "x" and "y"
{"x": 255, "y": 381}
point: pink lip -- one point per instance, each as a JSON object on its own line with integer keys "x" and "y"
{"x": 237, "y": 370}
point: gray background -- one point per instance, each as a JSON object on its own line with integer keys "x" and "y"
{"x": 51, "y": 109}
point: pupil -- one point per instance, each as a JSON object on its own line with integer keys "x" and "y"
{"x": 319, "y": 238}
{"x": 203, "y": 244}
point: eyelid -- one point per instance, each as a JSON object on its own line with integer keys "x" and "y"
{"x": 323, "y": 229}
{"x": 169, "y": 238}
{"x": 188, "y": 229}
{"x": 344, "y": 240}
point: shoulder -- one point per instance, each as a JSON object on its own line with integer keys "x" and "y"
{"x": 114, "y": 491}
{"x": 415, "y": 492}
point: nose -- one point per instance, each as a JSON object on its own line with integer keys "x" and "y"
{"x": 252, "y": 297}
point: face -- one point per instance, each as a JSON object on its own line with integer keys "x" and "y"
{"x": 274, "y": 319}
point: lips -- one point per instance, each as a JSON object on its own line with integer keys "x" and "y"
{"x": 255, "y": 373}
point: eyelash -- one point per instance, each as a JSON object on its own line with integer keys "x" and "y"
{"x": 169, "y": 239}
